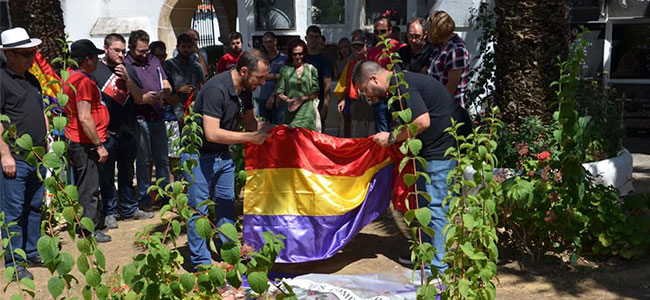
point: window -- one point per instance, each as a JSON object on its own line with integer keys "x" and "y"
{"x": 328, "y": 11}
{"x": 274, "y": 14}
{"x": 376, "y": 8}
{"x": 630, "y": 51}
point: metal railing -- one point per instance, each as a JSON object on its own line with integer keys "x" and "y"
{"x": 203, "y": 22}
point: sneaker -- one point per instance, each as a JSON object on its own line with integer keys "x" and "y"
{"x": 405, "y": 260}
{"x": 150, "y": 208}
{"x": 139, "y": 215}
{"x": 101, "y": 237}
{"x": 35, "y": 262}
{"x": 110, "y": 222}
{"x": 22, "y": 272}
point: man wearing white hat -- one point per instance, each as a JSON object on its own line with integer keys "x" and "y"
{"x": 21, "y": 192}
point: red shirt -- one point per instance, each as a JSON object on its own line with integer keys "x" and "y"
{"x": 87, "y": 90}
{"x": 375, "y": 52}
{"x": 228, "y": 61}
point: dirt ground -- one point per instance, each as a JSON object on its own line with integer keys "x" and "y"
{"x": 378, "y": 246}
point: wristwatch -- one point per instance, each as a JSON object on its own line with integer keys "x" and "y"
{"x": 391, "y": 138}
{"x": 100, "y": 144}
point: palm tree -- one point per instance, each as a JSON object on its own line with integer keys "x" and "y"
{"x": 43, "y": 19}
{"x": 531, "y": 34}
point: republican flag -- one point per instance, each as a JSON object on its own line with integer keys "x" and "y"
{"x": 317, "y": 190}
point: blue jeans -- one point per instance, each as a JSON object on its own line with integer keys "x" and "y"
{"x": 275, "y": 116}
{"x": 381, "y": 116}
{"x": 214, "y": 178}
{"x": 152, "y": 146}
{"x": 20, "y": 200}
{"x": 438, "y": 189}
{"x": 120, "y": 152}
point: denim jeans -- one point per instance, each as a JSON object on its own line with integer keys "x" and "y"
{"x": 214, "y": 178}
{"x": 381, "y": 116}
{"x": 275, "y": 116}
{"x": 152, "y": 147}
{"x": 438, "y": 189}
{"x": 20, "y": 200}
{"x": 120, "y": 152}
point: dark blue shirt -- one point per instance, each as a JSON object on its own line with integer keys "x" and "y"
{"x": 324, "y": 67}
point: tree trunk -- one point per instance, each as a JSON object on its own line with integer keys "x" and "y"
{"x": 531, "y": 34}
{"x": 42, "y": 19}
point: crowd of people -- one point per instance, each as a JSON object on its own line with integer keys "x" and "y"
{"x": 127, "y": 108}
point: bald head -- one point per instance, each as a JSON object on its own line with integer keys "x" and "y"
{"x": 363, "y": 69}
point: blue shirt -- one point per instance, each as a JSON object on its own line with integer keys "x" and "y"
{"x": 275, "y": 65}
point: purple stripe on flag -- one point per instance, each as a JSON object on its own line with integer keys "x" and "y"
{"x": 312, "y": 238}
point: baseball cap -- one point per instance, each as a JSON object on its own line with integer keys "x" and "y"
{"x": 357, "y": 38}
{"x": 84, "y": 48}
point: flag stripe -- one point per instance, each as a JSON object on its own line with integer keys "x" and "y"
{"x": 311, "y": 238}
{"x": 301, "y": 192}
{"x": 318, "y": 153}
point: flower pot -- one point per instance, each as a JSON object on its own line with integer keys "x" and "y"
{"x": 615, "y": 171}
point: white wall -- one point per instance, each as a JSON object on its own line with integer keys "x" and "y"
{"x": 81, "y": 15}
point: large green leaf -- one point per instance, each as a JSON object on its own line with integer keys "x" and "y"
{"x": 56, "y": 286}
{"x": 203, "y": 227}
{"x": 258, "y": 282}
{"x": 229, "y": 231}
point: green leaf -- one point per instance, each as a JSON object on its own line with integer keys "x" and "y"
{"x": 176, "y": 227}
{"x": 9, "y": 273}
{"x": 66, "y": 264}
{"x": 58, "y": 147}
{"x": 409, "y": 179}
{"x": 88, "y": 224}
{"x": 229, "y": 231}
{"x": 414, "y": 146}
{"x": 56, "y": 286}
{"x": 187, "y": 282}
{"x": 230, "y": 253}
{"x": 423, "y": 215}
{"x": 463, "y": 288}
{"x": 60, "y": 123}
{"x": 47, "y": 248}
{"x": 87, "y": 293}
{"x": 99, "y": 257}
{"x": 203, "y": 227}
{"x": 604, "y": 240}
{"x": 405, "y": 115}
{"x": 93, "y": 278}
{"x": 25, "y": 142}
{"x": 29, "y": 283}
{"x": 128, "y": 273}
{"x": 68, "y": 212}
{"x": 258, "y": 282}
{"x": 82, "y": 263}
{"x": 468, "y": 249}
{"x": 18, "y": 296}
{"x": 177, "y": 187}
{"x": 51, "y": 160}
{"x": 218, "y": 276}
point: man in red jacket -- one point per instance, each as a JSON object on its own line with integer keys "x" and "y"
{"x": 230, "y": 59}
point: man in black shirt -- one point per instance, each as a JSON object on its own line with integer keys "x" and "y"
{"x": 21, "y": 192}
{"x": 120, "y": 90}
{"x": 416, "y": 56}
{"x": 224, "y": 102}
{"x": 432, "y": 109}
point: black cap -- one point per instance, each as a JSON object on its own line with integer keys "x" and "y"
{"x": 84, "y": 48}
{"x": 357, "y": 38}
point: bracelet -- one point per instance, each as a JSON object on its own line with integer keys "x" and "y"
{"x": 100, "y": 144}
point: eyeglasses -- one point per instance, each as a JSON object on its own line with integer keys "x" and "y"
{"x": 298, "y": 53}
{"x": 122, "y": 51}
{"x": 140, "y": 51}
{"x": 360, "y": 92}
{"x": 414, "y": 36}
{"x": 380, "y": 31}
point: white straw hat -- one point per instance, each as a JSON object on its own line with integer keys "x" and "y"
{"x": 17, "y": 38}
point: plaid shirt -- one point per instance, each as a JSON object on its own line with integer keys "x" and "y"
{"x": 453, "y": 56}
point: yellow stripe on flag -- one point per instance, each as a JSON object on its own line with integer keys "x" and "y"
{"x": 301, "y": 192}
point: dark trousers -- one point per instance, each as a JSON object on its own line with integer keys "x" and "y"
{"x": 121, "y": 151}
{"x": 20, "y": 200}
{"x": 85, "y": 171}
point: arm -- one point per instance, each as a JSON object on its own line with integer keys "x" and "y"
{"x": 453, "y": 78}
{"x": 202, "y": 62}
{"x": 221, "y": 65}
{"x": 327, "y": 81}
{"x": 8, "y": 162}
{"x": 131, "y": 86}
{"x": 47, "y": 129}
{"x": 89, "y": 128}
{"x": 249, "y": 120}
{"x": 382, "y": 138}
{"x": 215, "y": 134}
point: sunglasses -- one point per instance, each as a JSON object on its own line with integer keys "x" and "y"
{"x": 298, "y": 53}
{"x": 381, "y": 31}
{"x": 415, "y": 36}
{"x": 25, "y": 54}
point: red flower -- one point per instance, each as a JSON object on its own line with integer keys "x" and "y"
{"x": 544, "y": 156}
